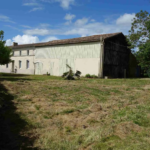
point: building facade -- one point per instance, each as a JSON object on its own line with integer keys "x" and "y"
{"x": 90, "y": 55}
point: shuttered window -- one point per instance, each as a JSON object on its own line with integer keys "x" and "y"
{"x": 20, "y": 63}
{"x": 28, "y": 63}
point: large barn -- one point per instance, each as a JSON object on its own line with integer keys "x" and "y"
{"x": 101, "y": 55}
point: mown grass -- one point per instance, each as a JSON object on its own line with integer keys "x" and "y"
{"x": 86, "y": 114}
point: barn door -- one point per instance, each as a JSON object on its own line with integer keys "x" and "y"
{"x": 38, "y": 68}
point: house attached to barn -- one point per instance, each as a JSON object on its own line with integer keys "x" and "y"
{"x": 101, "y": 55}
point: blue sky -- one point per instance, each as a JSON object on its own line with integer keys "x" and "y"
{"x": 31, "y": 21}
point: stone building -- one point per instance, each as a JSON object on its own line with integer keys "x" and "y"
{"x": 101, "y": 55}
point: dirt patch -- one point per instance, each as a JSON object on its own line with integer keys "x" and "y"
{"x": 96, "y": 107}
{"x": 124, "y": 129}
{"x": 27, "y": 97}
{"x": 147, "y": 87}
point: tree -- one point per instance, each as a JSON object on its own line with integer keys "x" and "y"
{"x": 5, "y": 52}
{"x": 143, "y": 56}
{"x": 140, "y": 29}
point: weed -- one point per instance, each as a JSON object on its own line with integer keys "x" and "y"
{"x": 68, "y": 129}
{"x": 67, "y": 111}
{"x": 92, "y": 121}
{"x": 37, "y": 107}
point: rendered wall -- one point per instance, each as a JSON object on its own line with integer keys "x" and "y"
{"x": 23, "y": 58}
{"x": 83, "y": 57}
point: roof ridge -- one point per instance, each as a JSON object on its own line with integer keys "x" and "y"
{"x": 91, "y": 38}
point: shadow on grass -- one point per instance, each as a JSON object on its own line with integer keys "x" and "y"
{"x": 14, "y": 79}
{"x": 12, "y": 125}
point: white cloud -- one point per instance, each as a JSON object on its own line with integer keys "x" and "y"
{"x": 51, "y": 38}
{"x": 31, "y": 4}
{"x": 37, "y": 31}
{"x": 12, "y": 27}
{"x": 25, "y": 26}
{"x": 81, "y": 27}
{"x": 44, "y": 25}
{"x": 5, "y": 19}
{"x": 92, "y": 20}
{"x": 24, "y": 39}
{"x": 36, "y": 8}
{"x": 28, "y": 39}
{"x": 81, "y": 22}
{"x": 9, "y": 42}
{"x": 69, "y": 18}
{"x": 125, "y": 19}
{"x": 65, "y": 4}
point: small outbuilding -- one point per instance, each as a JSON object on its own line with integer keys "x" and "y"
{"x": 101, "y": 55}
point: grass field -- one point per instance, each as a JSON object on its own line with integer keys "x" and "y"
{"x": 49, "y": 113}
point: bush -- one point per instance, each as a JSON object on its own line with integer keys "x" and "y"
{"x": 91, "y": 76}
{"x": 94, "y": 76}
{"x": 148, "y": 73}
{"x": 88, "y": 76}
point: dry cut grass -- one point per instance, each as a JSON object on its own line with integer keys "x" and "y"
{"x": 88, "y": 114}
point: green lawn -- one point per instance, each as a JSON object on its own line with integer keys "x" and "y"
{"x": 49, "y": 113}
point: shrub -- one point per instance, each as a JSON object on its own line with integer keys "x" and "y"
{"x": 94, "y": 76}
{"x": 88, "y": 76}
{"x": 91, "y": 76}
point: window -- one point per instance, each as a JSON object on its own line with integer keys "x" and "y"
{"x": 6, "y": 65}
{"x": 20, "y": 64}
{"x": 27, "y": 52}
{"x": 27, "y": 64}
{"x": 20, "y": 53}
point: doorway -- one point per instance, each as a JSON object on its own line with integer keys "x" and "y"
{"x": 38, "y": 68}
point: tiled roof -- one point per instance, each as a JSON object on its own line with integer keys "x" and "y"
{"x": 93, "y": 38}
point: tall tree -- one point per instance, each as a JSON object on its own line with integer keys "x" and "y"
{"x": 5, "y": 52}
{"x": 143, "y": 57}
{"x": 140, "y": 29}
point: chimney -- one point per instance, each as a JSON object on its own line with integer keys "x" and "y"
{"x": 15, "y": 44}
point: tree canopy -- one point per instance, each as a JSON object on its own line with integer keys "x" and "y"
{"x": 139, "y": 36}
{"x": 143, "y": 56}
{"x": 140, "y": 29}
{"x": 5, "y": 52}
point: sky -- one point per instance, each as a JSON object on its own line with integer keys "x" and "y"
{"x": 34, "y": 21}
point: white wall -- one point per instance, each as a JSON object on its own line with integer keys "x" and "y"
{"x": 83, "y": 57}
{"x": 87, "y": 65}
{"x": 23, "y": 58}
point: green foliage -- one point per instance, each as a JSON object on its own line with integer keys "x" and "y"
{"x": 5, "y": 52}
{"x": 68, "y": 111}
{"x": 140, "y": 28}
{"x": 94, "y": 76}
{"x": 65, "y": 73}
{"x": 68, "y": 75}
{"x": 68, "y": 129}
{"x": 129, "y": 42}
{"x": 139, "y": 36}
{"x": 91, "y": 76}
{"x": 87, "y": 75}
{"x": 143, "y": 56}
